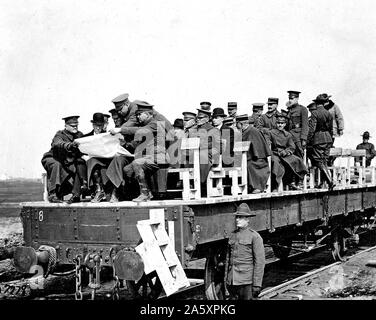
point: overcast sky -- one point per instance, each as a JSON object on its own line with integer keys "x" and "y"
{"x": 72, "y": 57}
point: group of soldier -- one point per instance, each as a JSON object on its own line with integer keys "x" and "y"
{"x": 282, "y": 135}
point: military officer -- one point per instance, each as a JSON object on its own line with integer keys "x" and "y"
{"x": 257, "y": 157}
{"x": 209, "y": 145}
{"x": 232, "y": 109}
{"x": 66, "y": 170}
{"x": 257, "y": 109}
{"x": 319, "y": 139}
{"x": 298, "y": 122}
{"x": 268, "y": 120}
{"x": 369, "y": 147}
{"x": 285, "y": 165}
{"x": 189, "y": 119}
{"x": 116, "y": 118}
{"x": 246, "y": 258}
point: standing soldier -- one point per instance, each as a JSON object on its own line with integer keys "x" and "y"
{"x": 370, "y": 149}
{"x": 232, "y": 109}
{"x": 320, "y": 138}
{"x": 246, "y": 259}
{"x": 257, "y": 109}
{"x": 66, "y": 170}
{"x": 268, "y": 120}
{"x": 209, "y": 145}
{"x": 298, "y": 122}
{"x": 189, "y": 119}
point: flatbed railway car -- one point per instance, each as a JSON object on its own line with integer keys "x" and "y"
{"x": 150, "y": 244}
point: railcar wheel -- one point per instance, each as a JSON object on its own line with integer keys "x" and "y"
{"x": 282, "y": 249}
{"x": 215, "y": 276}
{"x": 149, "y": 287}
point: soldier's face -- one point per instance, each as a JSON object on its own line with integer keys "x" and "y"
{"x": 202, "y": 119}
{"x": 272, "y": 107}
{"x": 242, "y": 222}
{"x": 73, "y": 128}
{"x": 281, "y": 125}
{"x": 231, "y": 112}
{"x": 142, "y": 117}
{"x": 117, "y": 120}
{"x": 293, "y": 100}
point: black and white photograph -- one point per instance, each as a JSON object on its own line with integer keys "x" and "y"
{"x": 187, "y": 156}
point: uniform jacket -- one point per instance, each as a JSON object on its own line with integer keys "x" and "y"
{"x": 247, "y": 258}
{"x": 338, "y": 121}
{"x": 259, "y": 147}
{"x": 254, "y": 119}
{"x": 298, "y": 122}
{"x": 320, "y": 126}
{"x": 370, "y": 152}
{"x": 267, "y": 120}
{"x": 147, "y": 143}
{"x": 60, "y": 147}
{"x": 281, "y": 140}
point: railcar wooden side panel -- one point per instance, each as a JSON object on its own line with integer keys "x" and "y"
{"x": 311, "y": 206}
{"x": 369, "y": 199}
{"x": 336, "y": 203}
{"x": 354, "y": 201}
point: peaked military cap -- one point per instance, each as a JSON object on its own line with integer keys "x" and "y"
{"x": 244, "y": 211}
{"x": 71, "y": 119}
{"x": 242, "y": 117}
{"x": 188, "y": 115}
{"x": 258, "y": 105}
{"x": 121, "y": 98}
{"x": 205, "y": 105}
{"x": 178, "y": 123}
{"x": 228, "y": 120}
{"x": 98, "y": 118}
{"x": 293, "y": 94}
{"x": 281, "y": 117}
{"x": 272, "y": 101}
{"x": 232, "y": 105}
{"x": 323, "y": 96}
{"x": 203, "y": 112}
{"x": 366, "y": 135}
{"x": 219, "y": 112}
{"x": 143, "y": 106}
{"x": 113, "y": 111}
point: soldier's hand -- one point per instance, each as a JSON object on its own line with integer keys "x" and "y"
{"x": 256, "y": 291}
{"x": 304, "y": 144}
{"x": 75, "y": 144}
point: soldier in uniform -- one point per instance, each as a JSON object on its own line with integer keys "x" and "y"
{"x": 106, "y": 118}
{"x": 66, "y": 170}
{"x": 285, "y": 165}
{"x": 150, "y": 150}
{"x": 369, "y": 147}
{"x": 232, "y": 109}
{"x": 116, "y": 118}
{"x": 298, "y": 122}
{"x": 189, "y": 119}
{"x": 246, "y": 258}
{"x": 209, "y": 145}
{"x": 257, "y": 157}
{"x": 319, "y": 139}
{"x": 257, "y": 109}
{"x": 268, "y": 120}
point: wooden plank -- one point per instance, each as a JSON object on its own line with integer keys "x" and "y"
{"x": 190, "y": 143}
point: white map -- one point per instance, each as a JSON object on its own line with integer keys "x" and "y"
{"x": 104, "y": 145}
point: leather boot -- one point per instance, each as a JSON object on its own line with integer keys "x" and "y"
{"x": 145, "y": 193}
{"x": 54, "y": 198}
{"x": 114, "y": 196}
{"x": 99, "y": 195}
{"x": 326, "y": 175}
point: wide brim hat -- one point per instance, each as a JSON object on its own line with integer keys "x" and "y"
{"x": 179, "y": 123}
{"x": 366, "y": 135}
{"x": 244, "y": 211}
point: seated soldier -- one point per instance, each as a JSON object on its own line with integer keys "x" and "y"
{"x": 369, "y": 147}
{"x": 284, "y": 163}
{"x": 150, "y": 150}
{"x": 66, "y": 170}
{"x": 257, "y": 157}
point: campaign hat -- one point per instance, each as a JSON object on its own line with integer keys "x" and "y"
{"x": 366, "y": 135}
{"x": 244, "y": 211}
